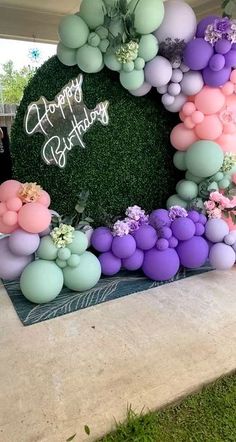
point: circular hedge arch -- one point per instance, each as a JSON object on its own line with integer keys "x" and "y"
{"x": 127, "y": 162}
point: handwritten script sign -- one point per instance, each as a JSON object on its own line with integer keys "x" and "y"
{"x": 63, "y": 121}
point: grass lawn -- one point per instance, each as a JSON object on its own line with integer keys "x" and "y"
{"x": 208, "y": 416}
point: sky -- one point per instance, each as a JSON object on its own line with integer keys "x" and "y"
{"x": 18, "y": 52}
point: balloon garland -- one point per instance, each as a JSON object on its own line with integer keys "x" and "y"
{"x": 149, "y": 44}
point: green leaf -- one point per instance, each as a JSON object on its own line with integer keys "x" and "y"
{"x": 123, "y": 6}
{"x": 89, "y": 220}
{"x": 71, "y": 438}
{"x": 79, "y": 208}
{"x": 87, "y": 430}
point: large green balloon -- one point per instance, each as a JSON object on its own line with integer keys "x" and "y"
{"x": 41, "y": 281}
{"x": 149, "y": 15}
{"x": 66, "y": 55}
{"x": 179, "y": 160}
{"x": 93, "y": 12}
{"x": 73, "y": 31}
{"x": 111, "y": 61}
{"x": 132, "y": 80}
{"x": 187, "y": 190}
{"x": 89, "y": 59}
{"x": 196, "y": 179}
{"x": 148, "y": 47}
{"x": 79, "y": 243}
{"x": 85, "y": 276}
{"x": 204, "y": 158}
{"x": 47, "y": 249}
{"x": 175, "y": 200}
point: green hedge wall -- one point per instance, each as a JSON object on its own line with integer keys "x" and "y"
{"x": 127, "y": 162}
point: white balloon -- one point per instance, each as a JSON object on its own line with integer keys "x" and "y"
{"x": 178, "y": 103}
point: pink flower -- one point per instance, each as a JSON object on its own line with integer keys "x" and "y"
{"x": 216, "y": 197}
{"x": 225, "y": 203}
{"x": 216, "y": 213}
{"x": 209, "y": 205}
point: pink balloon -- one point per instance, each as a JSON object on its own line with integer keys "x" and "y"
{"x": 188, "y": 109}
{"x": 9, "y": 189}
{"x": 181, "y": 137}
{"x": 7, "y": 229}
{"x": 14, "y": 204}
{"x": 227, "y": 142}
{"x": 44, "y": 199}
{"x": 197, "y": 117}
{"x": 228, "y": 88}
{"x": 210, "y": 100}
{"x": 188, "y": 122}
{"x": 34, "y": 217}
{"x": 3, "y": 208}
{"x": 210, "y": 129}
{"x": 10, "y": 218}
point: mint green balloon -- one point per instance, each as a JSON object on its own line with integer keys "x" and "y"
{"x": 148, "y": 47}
{"x": 204, "y": 158}
{"x": 175, "y": 200}
{"x": 102, "y": 32}
{"x": 190, "y": 177}
{"x": 111, "y": 62}
{"x": 104, "y": 44}
{"x": 132, "y": 80}
{"x": 64, "y": 253}
{"x": 47, "y": 249}
{"x": 41, "y": 281}
{"x": 85, "y": 276}
{"x": 60, "y": 263}
{"x": 139, "y": 63}
{"x": 94, "y": 39}
{"x": 73, "y": 261}
{"x": 73, "y": 31}
{"x": 179, "y": 160}
{"x": 218, "y": 176}
{"x": 149, "y": 15}
{"x": 93, "y": 12}
{"x": 187, "y": 190}
{"x": 66, "y": 55}
{"x": 79, "y": 243}
{"x": 224, "y": 184}
{"x": 89, "y": 59}
{"x": 128, "y": 67}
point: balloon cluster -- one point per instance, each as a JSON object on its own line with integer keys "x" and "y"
{"x": 222, "y": 244}
{"x": 170, "y": 239}
{"x": 209, "y": 115}
{"x": 213, "y": 51}
{"x": 126, "y": 37}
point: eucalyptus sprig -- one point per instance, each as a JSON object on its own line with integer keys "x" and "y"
{"x": 229, "y": 8}
{"x": 79, "y": 220}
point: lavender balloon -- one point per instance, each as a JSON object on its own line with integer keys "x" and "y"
{"x": 161, "y": 266}
{"x": 222, "y": 256}
{"x": 192, "y": 83}
{"x": 178, "y": 103}
{"x": 123, "y": 246}
{"x": 110, "y": 264}
{"x": 193, "y": 253}
{"x": 158, "y": 71}
{"x": 145, "y": 237}
{"x": 102, "y": 239}
{"x": 135, "y": 261}
{"x": 11, "y": 266}
{"x": 216, "y": 230}
{"x": 23, "y": 243}
{"x": 142, "y": 90}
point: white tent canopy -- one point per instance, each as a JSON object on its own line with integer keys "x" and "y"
{"x": 38, "y": 19}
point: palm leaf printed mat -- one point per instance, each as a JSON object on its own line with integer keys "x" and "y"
{"x": 67, "y": 302}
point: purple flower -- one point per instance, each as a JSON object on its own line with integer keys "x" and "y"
{"x": 121, "y": 228}
{"x": 177, "y": 212}
{"x": 135, "y": 212}
{"x": 222, "y": 25}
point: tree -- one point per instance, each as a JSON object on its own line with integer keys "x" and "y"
{"x": 13, "y": 82}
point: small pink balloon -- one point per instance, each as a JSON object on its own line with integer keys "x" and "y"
{"x": 197, "y": 117}
{"x": 181, "y": 137}
{"x": 227, "y": 142}
{"x": 210, "y": 100}
{"x": 3, "y": 208}
{"x": 188, "y": 122}
{"x": 9, "y": 189}
{"x": 233, "y": 76}
{"x": 182, "y": 116}
{"x": 188, "y": 108}
{"x": 7, "y": 229}
{"x": 211, "y": 128}
{"x": 9, "y": 218}
{"x": 44, "y": 199}
{"x": 14, "y": 204}
{"x": 34, "y": 217}
{"x": 228, "y": 88}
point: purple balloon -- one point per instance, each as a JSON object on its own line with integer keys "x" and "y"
{"x": 215, "y": 79}
{"x": 102, "y": 239}
{"x": 145, "y": 237}
{"x": 217, "y": 62}
{"x": 223, "y": 46}
{"x": 162, "y": 244}
{"x": 123, "y": 246}
{"x": 135, "y": 261}
{"x": 203, "y": 219}
{"x": 202, "y": 25}
{"x": 161, "y": 266}
{"x": 197, "y": 54}
{"x": 194, "y": 216}
{"x": 160, "y": 217}
{"x": 183, "y": 228}
{"x": 173, "y": 242}
{"x": 142, "y": 90}
{"x": 166, "y": 233}
{"x": 110, "y": 264}
{"x": 200, "y": 229}
{"x": 216, "y": 230}
{"x": 193, "y": 253}
{"x": 11, "y": 266}
{"x": 230, "y": 59}
{"x": 45, "y": 232}
{"x": 158, "y": 71}
{"x": 222, "y": 256}
{"x": 23, "y": 243}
